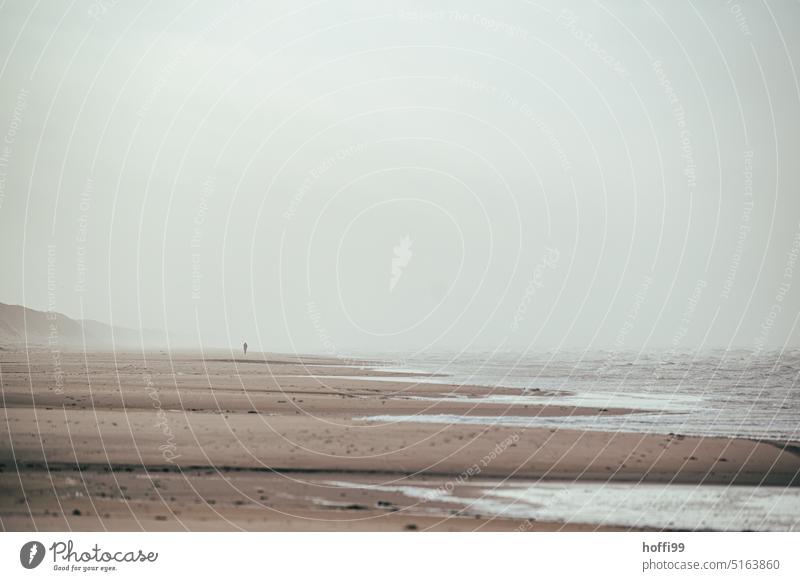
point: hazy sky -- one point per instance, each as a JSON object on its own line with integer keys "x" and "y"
{"x": 340, "y": 177}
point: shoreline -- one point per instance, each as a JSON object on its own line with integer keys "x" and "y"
{"x": 188, "y": 422}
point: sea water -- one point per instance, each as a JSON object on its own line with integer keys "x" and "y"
{"x": 640, "y": 505}
{"x": 710, "y": 393}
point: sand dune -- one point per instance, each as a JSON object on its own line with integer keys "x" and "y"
{"x": 20, "y": 326}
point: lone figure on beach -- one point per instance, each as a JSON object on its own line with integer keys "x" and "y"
{"x": 244, "y": 347}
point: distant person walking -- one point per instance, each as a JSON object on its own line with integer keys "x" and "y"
{"x": 244, "y": 347}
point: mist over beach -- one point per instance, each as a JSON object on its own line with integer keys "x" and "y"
{"x": 377, "y": 266}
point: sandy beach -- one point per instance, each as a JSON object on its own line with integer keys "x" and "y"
{"x": 191, "y": 441}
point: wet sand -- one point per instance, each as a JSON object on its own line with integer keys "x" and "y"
{"x": 132, "y": 441}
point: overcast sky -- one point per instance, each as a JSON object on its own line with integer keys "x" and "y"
{"x": 345, "y": 177}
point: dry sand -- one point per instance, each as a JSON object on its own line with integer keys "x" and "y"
{"x": 131, "y": 441}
